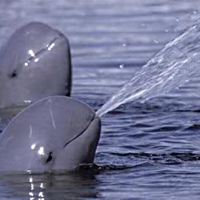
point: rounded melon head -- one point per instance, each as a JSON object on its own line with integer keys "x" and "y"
{"x": 34, "y": 63}
{"x": 55, "y": 133}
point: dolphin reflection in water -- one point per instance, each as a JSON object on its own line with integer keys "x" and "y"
{"x": 55, "y": 132}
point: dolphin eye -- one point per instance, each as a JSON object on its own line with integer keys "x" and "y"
{"x": 49, "y": 157}
{"x": 13, "y": 74}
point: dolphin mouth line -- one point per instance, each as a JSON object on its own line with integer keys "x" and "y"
{"x": 36, "y": 55}
{"x": 71, "y": 140}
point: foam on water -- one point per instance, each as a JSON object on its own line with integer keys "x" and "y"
{"x": 169, "y": 69}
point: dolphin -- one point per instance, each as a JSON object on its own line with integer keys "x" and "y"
{"x": 34, "y": 63}
{"x": 55, "y": 133}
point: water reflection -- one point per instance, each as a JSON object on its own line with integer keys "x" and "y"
{"x": 39, "y": 194}
{"x": 74, "y": 185}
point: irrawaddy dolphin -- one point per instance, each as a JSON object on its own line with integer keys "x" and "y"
{"x": 55, "y": 133}
{"x": 34, "y": 63}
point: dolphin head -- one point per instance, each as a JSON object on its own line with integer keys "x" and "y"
{"x": 34, "y": 63}
{"x": 55, "y": 133}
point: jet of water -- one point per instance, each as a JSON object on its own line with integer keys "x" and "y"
{"x": 169, "y": 69}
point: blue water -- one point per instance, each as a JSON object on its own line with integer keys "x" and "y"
{"x": 148, "y": 149}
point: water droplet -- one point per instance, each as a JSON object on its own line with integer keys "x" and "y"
{"x": 121, "y": 66}
{"x": 156, "y": 41}
{"x": 194, "y": 12}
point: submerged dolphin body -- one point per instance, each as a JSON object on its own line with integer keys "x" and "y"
{"x": 35, "y": 63}
{"x": 55, "y": 133}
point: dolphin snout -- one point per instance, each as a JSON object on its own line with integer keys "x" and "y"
{"x": 81, "y": 150}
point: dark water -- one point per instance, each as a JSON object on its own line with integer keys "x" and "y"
{"x": 148, "y": 150}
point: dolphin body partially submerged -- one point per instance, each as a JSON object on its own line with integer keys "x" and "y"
{"x": 55, "y": 133}
{"x": 34, "y": 63}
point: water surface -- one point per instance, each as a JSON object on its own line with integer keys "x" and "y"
{"x": 148, "y": 150}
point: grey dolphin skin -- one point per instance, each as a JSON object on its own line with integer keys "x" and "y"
{"x": 35, "y": 63}
{"x": 55, "y": 133}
